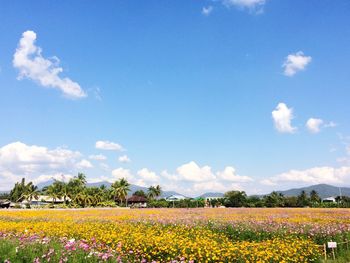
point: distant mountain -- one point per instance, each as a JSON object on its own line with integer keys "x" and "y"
{"x": 44, "y": 184}
{"x": 323, "y": 190}
{"x": 210, "y": 194}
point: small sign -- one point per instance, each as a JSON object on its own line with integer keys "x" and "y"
{"x": 332, "y": 244}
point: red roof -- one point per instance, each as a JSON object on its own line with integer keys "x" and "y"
{"x": 137, "y": 199}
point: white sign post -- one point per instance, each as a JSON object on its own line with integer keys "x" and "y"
{"x": 332, "y": 245}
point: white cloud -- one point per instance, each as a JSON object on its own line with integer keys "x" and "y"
{"x": 314, "y": 125}
{"x": 192, "y": 172}
{"x": 98, "y": 157}
{"x": 193, "y": 180}
{"x": 171, "y": 177}
{"x": 207, "y": 10}
{"x": 34, "y": 162}
{"x": 229, "y": 174}
{"x": 282, "y": 117}
{"x": 83, "y": 164}
{"x": 20, "y": 158}
{"x": 124, "y": 159}
{"x": 120, "y": 173}
{"x": 316, "y": 175}
{"x": 58, "y": 176}
{"x": 31, "y": 64}
{"x": 107, "y": 145}
{"x": 254, "y": 6}
{"x": 330, "y": 124}
{"x": 147, "y": 175}
{"x": 209, "y": 186}
{"x": 295, "y": 62}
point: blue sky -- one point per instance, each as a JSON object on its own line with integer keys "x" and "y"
{"x": 187, "y": 89}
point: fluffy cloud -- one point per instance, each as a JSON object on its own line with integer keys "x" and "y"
{"x": 143, "y": 178}
{"x": 295, "y": 62}
{"x": 192, "y": 172}
{"x": 34, "y": 162}
{"x": 191, "y": 179}
{"x": 58, "y": 176}
{"x": 148, "y": 176}
{"x": 107, "y": 145}
{"x": 314, "y": 125}
{"x": 124, "y": 159}
{"x": 31, "y": 64}
{"x": 98, "y": 157}
{"x": 316, "y": 175}
{"x": 255, "y": 6}
{"x": 20, "y": 158}
{"x": 229, "y": 174}
{"x": 207, "y": 10}
{"x": 282, "y": 117}
{"x": 83, "y": 164}
{"x": 120, "y": 173}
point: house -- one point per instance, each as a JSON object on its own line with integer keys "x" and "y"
{"x": 330, "y": 199}
{"x": 175, "y": 198}
{"x": 137, "y": 201}
{"x": 44, "y": 200}
{"x": 5, "y": 203}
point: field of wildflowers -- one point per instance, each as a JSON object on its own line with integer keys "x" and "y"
{"x": 170, "y": 235}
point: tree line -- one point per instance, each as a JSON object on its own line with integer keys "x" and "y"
{"x": 75, "y": 193}
{"x": 275, "y": 199}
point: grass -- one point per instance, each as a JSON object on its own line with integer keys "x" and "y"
{"x": 15, "y": 252}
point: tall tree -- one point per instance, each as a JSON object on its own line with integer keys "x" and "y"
{"x": 140, "y": 193}
{"x": 235, "y": 198}
{"x": 121, "y": 189}
{"x": 314, "y": 197}
{"x": 82, "y": 178}
{"x": 17, "y": 191}
{"x": 274, "y": 200}
{"x": 54, "y": 192}
{"x": 303, "y": 199}
{"x": 154, "y": 192}
{"x": 30, "y": 192}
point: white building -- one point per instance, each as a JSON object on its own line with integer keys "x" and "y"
{"x": 175, "y": 198}
{"x": 330, "y": 199}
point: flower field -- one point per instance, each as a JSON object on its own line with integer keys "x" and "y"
{"x": 170, "y": 235}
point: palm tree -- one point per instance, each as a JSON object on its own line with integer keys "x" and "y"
{"x": 17, "y": 191}
{"x": 65, "y": 192}
{"x": 154, "y": 191}
{"x": 30, "y": 192}
{"x": 158, "y": 191}
{"x": 84, "y": 199}
{"x": 82, "y": 178}
{"x": 54, "y": 192}
{"x": 121, "y": 189}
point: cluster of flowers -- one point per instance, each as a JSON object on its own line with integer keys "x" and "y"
{"x": 175, "y": 235}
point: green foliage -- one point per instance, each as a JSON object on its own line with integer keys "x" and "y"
{"x": 154, "y": 192}
{"x": 303, "y": 199}
{"x": 274, "y": 200}
{"x": 140, "y": 193}
{"x": 120, "y": 190}
{"x": 162, "y": 203}
{"x": 235, "y": 199}
{"x": 12, "y": 251}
